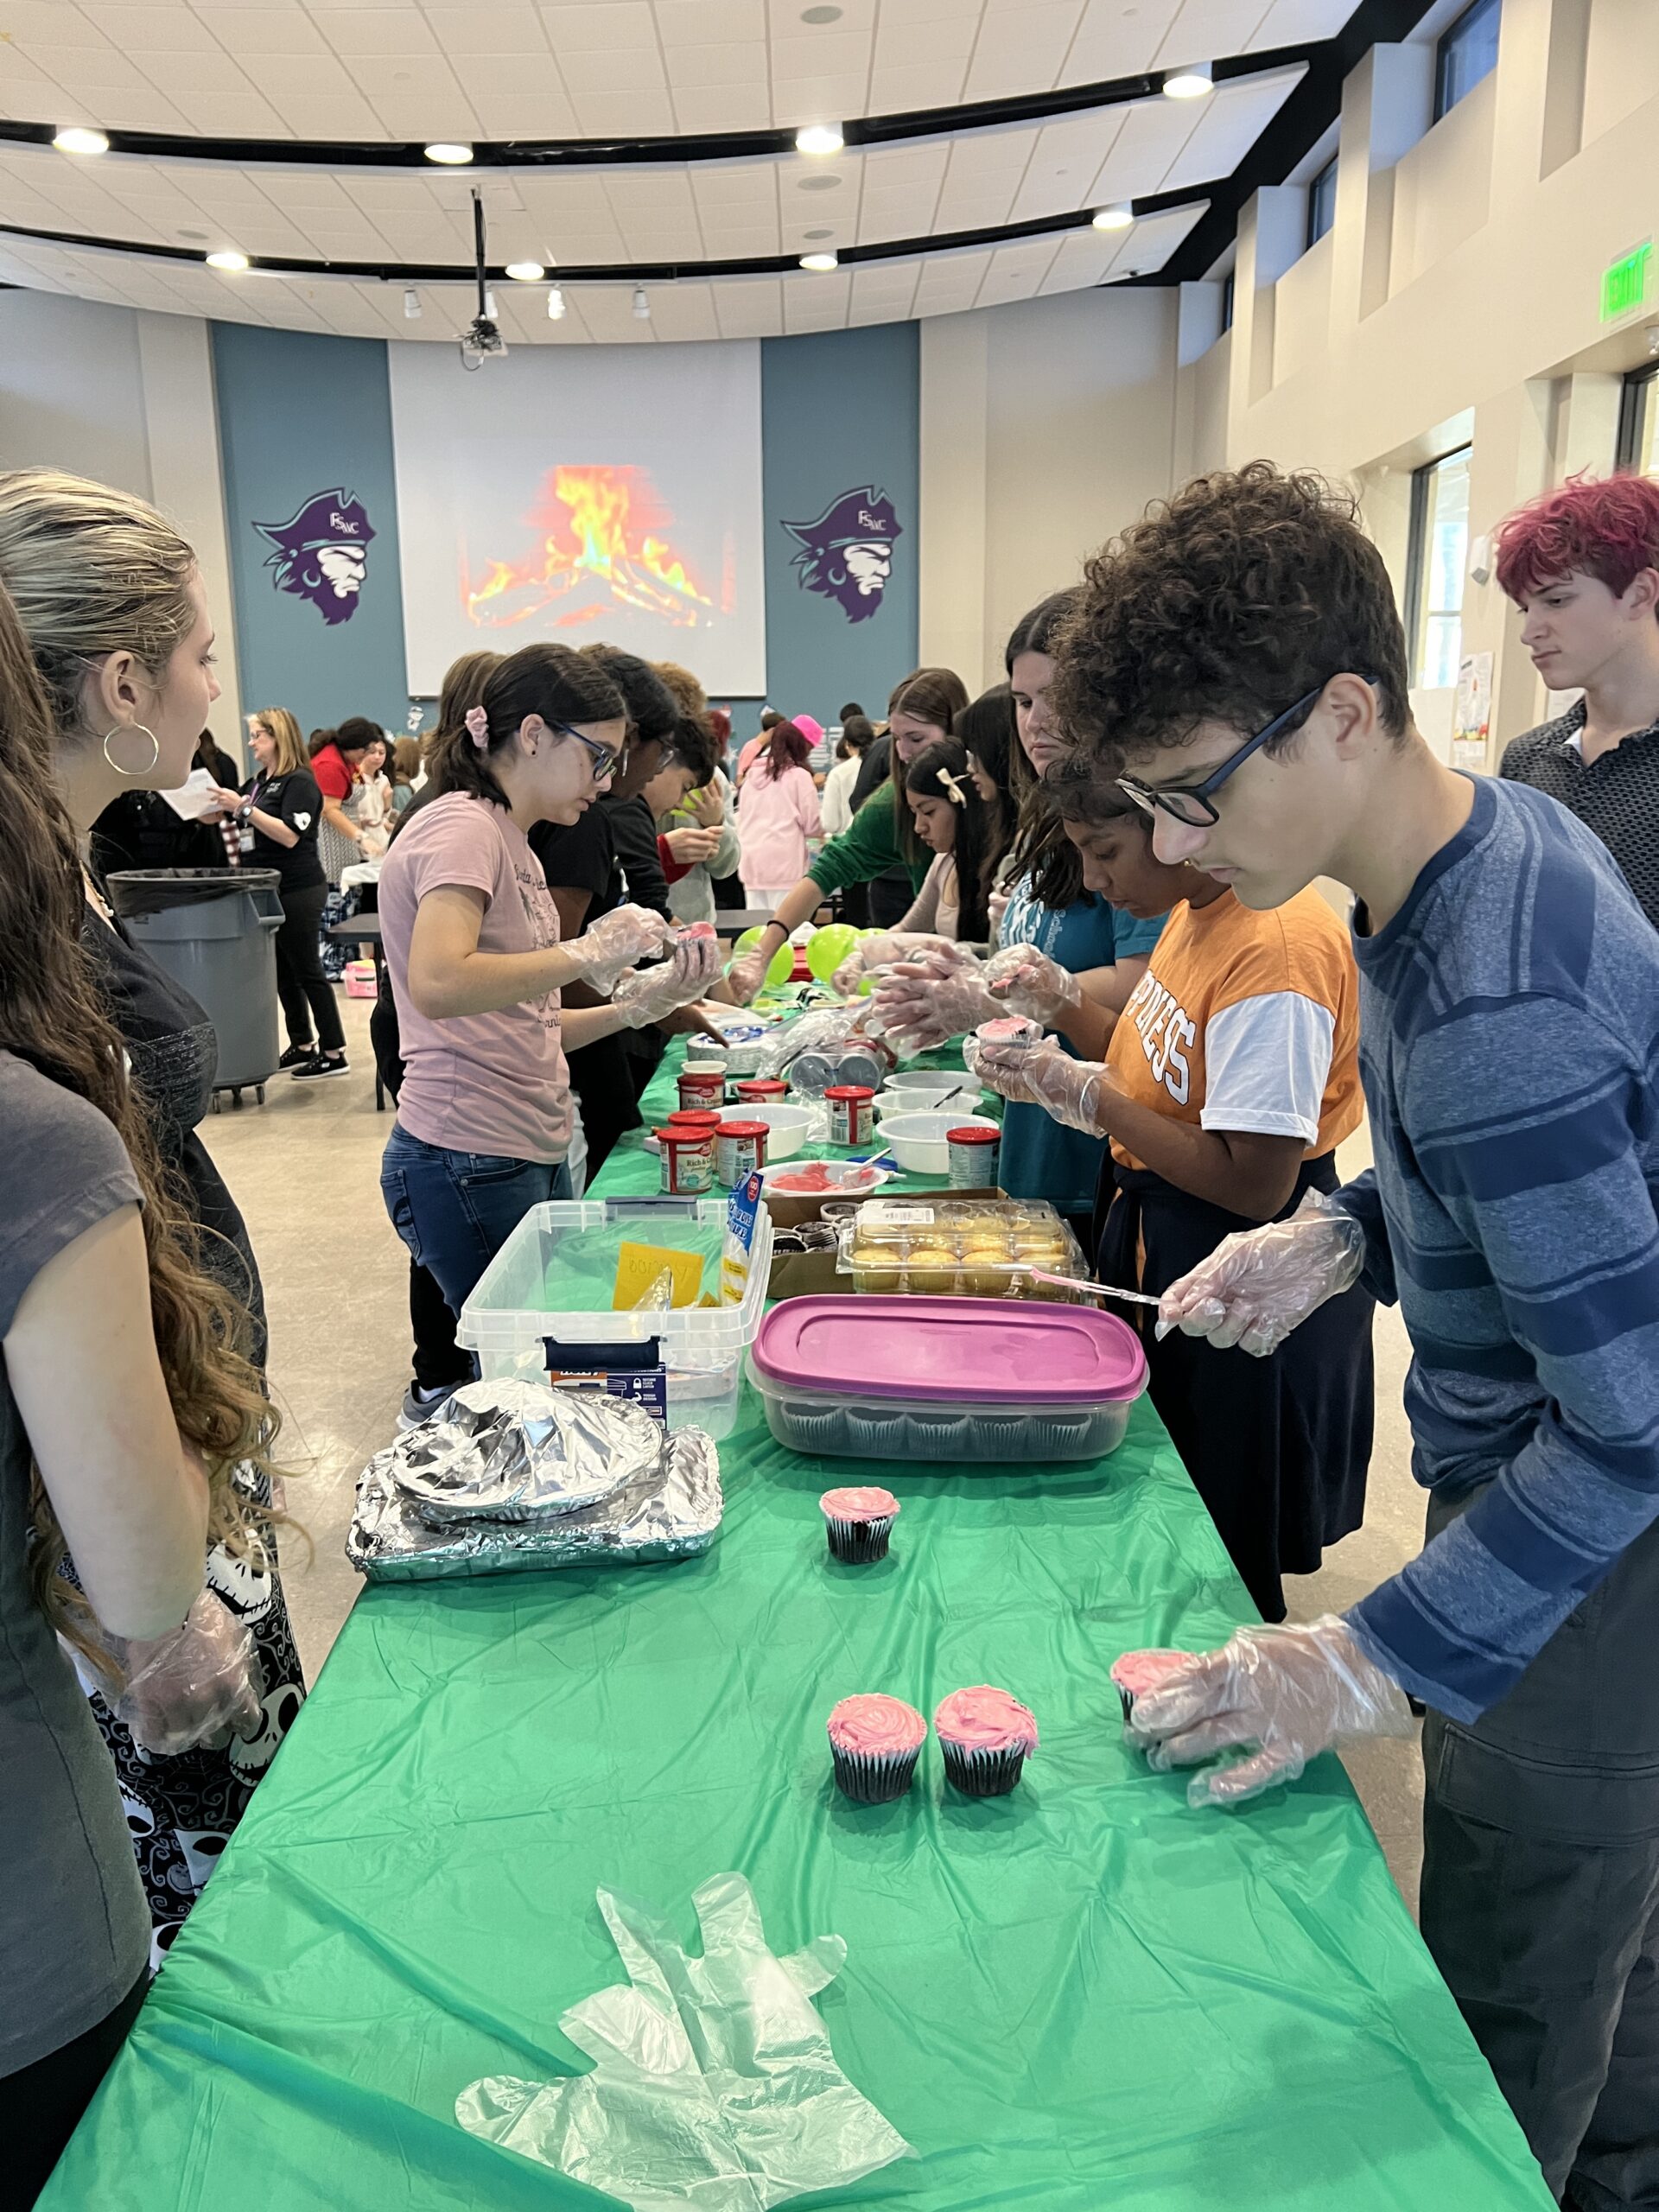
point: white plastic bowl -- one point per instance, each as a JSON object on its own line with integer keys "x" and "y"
{"x": 924, "y": 1079}
{"x": 918, "y": 1142}
{"x": 933, "y": 1098}
{"x": 788, "y": 1126}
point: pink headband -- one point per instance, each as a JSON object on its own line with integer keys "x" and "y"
{"x": 478, "y": 726}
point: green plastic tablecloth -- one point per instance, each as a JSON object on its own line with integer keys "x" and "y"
{"x": 1081, "y": 1996}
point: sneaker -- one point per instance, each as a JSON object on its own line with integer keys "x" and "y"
{"x": 420, "y": 1405}
{"x": 319, "y": 1066}
{"x": 296, "y": 1056}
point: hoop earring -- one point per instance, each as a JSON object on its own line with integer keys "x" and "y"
{"x": 154, "y": 749}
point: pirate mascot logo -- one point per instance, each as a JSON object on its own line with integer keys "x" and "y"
{"x": 847, "y": 554}
{"x": 322, "y": 553}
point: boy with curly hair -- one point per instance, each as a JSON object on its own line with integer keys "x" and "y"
{"x": 1239, "y": 655}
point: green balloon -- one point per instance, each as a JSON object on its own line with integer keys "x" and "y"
{"x": 828, "y": 947}
{"x": 783, "y": 961}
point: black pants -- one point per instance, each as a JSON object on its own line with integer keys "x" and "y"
{"x": 41, "y": 2104}
{"x": 307, "y": 994}
{"x": 1541, "y": 1886}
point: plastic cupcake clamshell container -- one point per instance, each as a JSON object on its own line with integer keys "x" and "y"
{"x": 975, "y": 1381}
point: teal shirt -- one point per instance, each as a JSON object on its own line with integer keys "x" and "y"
{"x": 1040, "y": 1160}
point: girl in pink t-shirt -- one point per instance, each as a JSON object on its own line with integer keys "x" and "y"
{"x": 777, "y": 812}
{"x": 471, "y": 944}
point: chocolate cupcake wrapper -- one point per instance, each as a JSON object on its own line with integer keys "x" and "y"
{"x": 981, "y": 1773}
{"x": 860, "y": 1541}
{"x": 869, "y": 1779}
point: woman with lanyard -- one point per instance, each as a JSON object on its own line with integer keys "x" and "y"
{"x": 111, "y": 601}
{"x": 1069, "y": 958}
{"x": 1229, "y": 1080}
{"x": 471, "y": 944}
{"x": 882, "y": 837}
{"x": 281, "y": 811}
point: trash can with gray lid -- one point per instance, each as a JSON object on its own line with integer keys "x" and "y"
{"x": 213, "y": 930}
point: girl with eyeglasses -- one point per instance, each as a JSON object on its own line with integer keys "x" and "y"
{"x": 471, "y": 936}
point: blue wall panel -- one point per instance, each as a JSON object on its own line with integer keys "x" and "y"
{"x": 299, "y": 415}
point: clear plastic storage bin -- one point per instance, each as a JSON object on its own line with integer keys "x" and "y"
{"x": 555, "y": 1276}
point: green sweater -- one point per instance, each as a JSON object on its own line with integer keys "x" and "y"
{"x": 867, "y": 848}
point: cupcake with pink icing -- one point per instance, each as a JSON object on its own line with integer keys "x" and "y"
{"x": 1015, "y": 1029}
{"x": 1137, "y": 1674}
{"x": 860, "y": 1522}
{"x": 986, "y": 1736}
{"x": 876, "y": 1742}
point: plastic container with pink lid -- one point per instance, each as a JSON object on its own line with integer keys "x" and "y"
{"x": 977, "y": 1381}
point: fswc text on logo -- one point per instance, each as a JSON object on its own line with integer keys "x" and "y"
{"x": 321, "y": 553}
{"x": 847, "y": 554}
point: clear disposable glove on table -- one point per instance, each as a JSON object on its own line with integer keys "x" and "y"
{"x": 194, "y": 1688}
{"x": 887, "y": 947}
{"x": 1024, "y": 981}
{"x": 927, "y": 1001}
{"x": 612, "y": 944}
{"x": 1258, "y": 1285}
{"x": 1072, "y": 1092}
{"x": 715, "y": 2083}
{"x": 646, "y": 995}
{"x": 1291, "y": 1692}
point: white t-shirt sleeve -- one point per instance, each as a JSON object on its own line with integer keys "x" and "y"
{"x": 1266, "y": 1061}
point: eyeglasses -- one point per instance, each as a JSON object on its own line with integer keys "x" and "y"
{"x": 606, "y": 758}
{"x": 1193, "y": 804}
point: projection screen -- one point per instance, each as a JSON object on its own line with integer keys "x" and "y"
{"x": 579, "y": 492}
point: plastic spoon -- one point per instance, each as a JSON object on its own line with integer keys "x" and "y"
{"x": 1094, "y": 1289}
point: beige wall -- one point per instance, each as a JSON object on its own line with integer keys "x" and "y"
{"x": 1045, "y": 428}
{"x": 1458, "y": 296}
{"x": 126, "y": 397}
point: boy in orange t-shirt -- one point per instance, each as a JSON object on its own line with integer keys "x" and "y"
{"x": 1231, "y": 1077}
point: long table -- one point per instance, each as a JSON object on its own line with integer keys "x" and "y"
{"x": 1082, "y": 1996}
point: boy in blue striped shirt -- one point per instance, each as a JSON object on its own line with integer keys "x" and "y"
{"x": 1240, "y": 655}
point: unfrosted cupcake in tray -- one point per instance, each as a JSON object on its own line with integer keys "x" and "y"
{"x": 874, "y": 1742}
{"x": 859, "y": 1522}
{"x": 986, "y": 1736}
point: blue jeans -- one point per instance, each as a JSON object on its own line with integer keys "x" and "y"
{"x": 455, "y": 1210}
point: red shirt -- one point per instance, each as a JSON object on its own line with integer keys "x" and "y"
{"x": 334, "y": 778}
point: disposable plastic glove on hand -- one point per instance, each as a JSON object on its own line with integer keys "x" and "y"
{"x": 646, "y": 995}
{"x": 887, "y": 947}
{"x": 1024, "y": 981}
{"x": 1070, "y": 1092}
{"x": 746, "y": 974}
{"x": 1291, "y": 1692}
{"x": 927, "y": 1001}
{"x": 194, "y": 1689}
{"x": 716, "y": 2084}
{"x": 613, "y": 944}
{"x": 1258, "y": 1285}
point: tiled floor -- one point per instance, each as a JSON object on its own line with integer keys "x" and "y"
{"x": 305, "y": 1170}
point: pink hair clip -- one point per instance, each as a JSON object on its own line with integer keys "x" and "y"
{"x": 478, "y": 726}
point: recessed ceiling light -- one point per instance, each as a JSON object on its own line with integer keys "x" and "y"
{"x": 1189, "y": 83}
{"x": 525, "y": 272}
{"x": 819, "y": 138}
{"x": 1115, "y": 219}
{"x": 819, "y": 183}
{"x": 452, "y": 156}
{"x": 193, "y": 237}
{"x": 824, "y": 232}
{"x": 820, "y": 15}
{"x": 80, "y": 140}
{"x": 227, "y": 258}
{"x": 555, "y": 303}
{"x": 820, "y": 264}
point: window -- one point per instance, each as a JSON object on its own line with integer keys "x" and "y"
{"x": 1638, "y": 422}
{"x": 1227, "y": 302}
{"x": 1438, "y": 555}
{"x": 1466, "y": 53}
{"x": 1322, "y": 202}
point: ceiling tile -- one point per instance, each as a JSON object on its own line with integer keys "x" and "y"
{"x": 337, "y": 116}
{"x": 620, "y": 76}
{"x": 915, "y": 86}
{"x": 1297, "y": 23}
{"x": 50, "y": 22}
{"x": 170, "y": 29}
{"x": 749, "y": 307}
{"x": 604, "y": 115}
{"x": 822, "y": 54}
{"x": 899, "y": 43}
{"x": 378, "y": 30}
{"x": 1025, "y": 48}
{"x": 263, "y": 30}
{"x": 1228, "y": 124}
{"x": 602, "y": 26}
{"x": 690, "y": 22}
{"x": 1112, "y": 41}
{"x": 725, "y": 107}
{"x": 1205, "y": 28}
{"x": 741, "y": 62}
{"x": 487, "y": 29}
{"x": 524, "y": 116}
{"x": 282, "y": 75}
{"x": 484, "y": 74}
{"x": 817, "y": 99}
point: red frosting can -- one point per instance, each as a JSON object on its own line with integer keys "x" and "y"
{"x": 852, "y": 1113}
{"x": 740, "y": 1148}
{"x": 762, "y": 1090}
{"x": 973, "y": 1156}
{"x": 703, "y": 1089}
{"x": 697, "y": 1117}
{"x": 687, "y": 1158}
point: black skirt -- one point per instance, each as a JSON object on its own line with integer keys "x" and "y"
{"x": 1277, "y": 1448}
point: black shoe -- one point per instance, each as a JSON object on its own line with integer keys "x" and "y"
{"x": 296, "y": 1056}
{"x": 315, "y": 1069}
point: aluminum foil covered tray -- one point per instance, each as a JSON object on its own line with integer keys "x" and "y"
{"x": 668, "y": 1509}
{"x": 517, "y": 1451}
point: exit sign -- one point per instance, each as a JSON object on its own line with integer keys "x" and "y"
{"x": 1624, "y": 282}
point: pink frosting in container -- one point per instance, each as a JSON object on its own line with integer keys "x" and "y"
{"x": 874, "y": 1742}
{"x": 986, "y": 1736}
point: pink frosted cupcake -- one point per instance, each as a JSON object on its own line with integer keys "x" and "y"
{"x": 1010, "y": 1029}
{"x": 986, "y": 1737}
{"x": 876, "y": 1742}
{"x": 1138, "y": 1673}
{"x": 860, "y": 1522}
